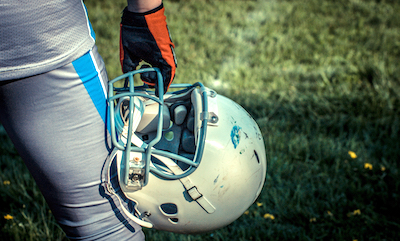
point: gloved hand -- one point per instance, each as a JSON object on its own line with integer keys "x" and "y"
{"x": 145, "y": 36}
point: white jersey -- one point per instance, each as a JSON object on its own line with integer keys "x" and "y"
{"x": 41, "y": 35}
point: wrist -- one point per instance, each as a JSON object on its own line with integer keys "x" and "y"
{"x": 143, "y": 6}
{"x": 138, "y": 19}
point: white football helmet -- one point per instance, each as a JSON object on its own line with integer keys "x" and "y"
{"x": 191, "y": 160}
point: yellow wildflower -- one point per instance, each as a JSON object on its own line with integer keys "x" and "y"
{"x": 352, "y": 154}
{"x": 313, "y": 220}
{"x": 259, "y": 204}
{"x": 329, "y": 213}
{"x": 247, "y": 212}
{"x": 6, "y": 182}
{"x": 354, "y": 213}
{"x": 8, "y": 217}
{"x": 383, "y": 168}
{"x": 270, "y": 216}
{"x": 368, "y": 166}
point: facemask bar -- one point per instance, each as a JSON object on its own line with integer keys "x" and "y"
{"x": 147, "y": 149}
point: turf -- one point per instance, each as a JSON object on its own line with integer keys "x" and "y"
{"x": 320, "y": 77}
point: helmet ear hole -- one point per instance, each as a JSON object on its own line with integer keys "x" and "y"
{"x": 173, "y": 220}
{"x": 169, "y": 209}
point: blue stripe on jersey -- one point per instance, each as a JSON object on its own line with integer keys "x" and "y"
{"x": 91, "y": 31}
{"x": 87, "y": 72}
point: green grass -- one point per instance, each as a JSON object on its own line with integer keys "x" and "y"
{"x": 321, "y": 78}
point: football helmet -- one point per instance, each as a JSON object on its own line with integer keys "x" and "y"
{"x": 191, "y": 160}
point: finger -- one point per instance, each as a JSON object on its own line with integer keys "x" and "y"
{"x": 150, "y": 77}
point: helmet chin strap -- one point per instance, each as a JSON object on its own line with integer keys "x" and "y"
{"x": 190, "y": 187}
{"x": 186, "y": 182}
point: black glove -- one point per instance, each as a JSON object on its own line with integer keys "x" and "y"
{"x": 145, "y": 36}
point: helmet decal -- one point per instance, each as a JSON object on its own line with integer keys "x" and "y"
{"x": 235, "y": 135}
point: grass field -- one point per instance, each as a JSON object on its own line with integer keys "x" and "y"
{"x": 322, "y": 80}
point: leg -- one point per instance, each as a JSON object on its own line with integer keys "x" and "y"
{"x": 57, "y": 121}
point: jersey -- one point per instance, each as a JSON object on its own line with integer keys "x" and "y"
{"x": 39, "y": 36}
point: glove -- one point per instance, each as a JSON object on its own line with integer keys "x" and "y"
{"x": 145, "y": 36}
